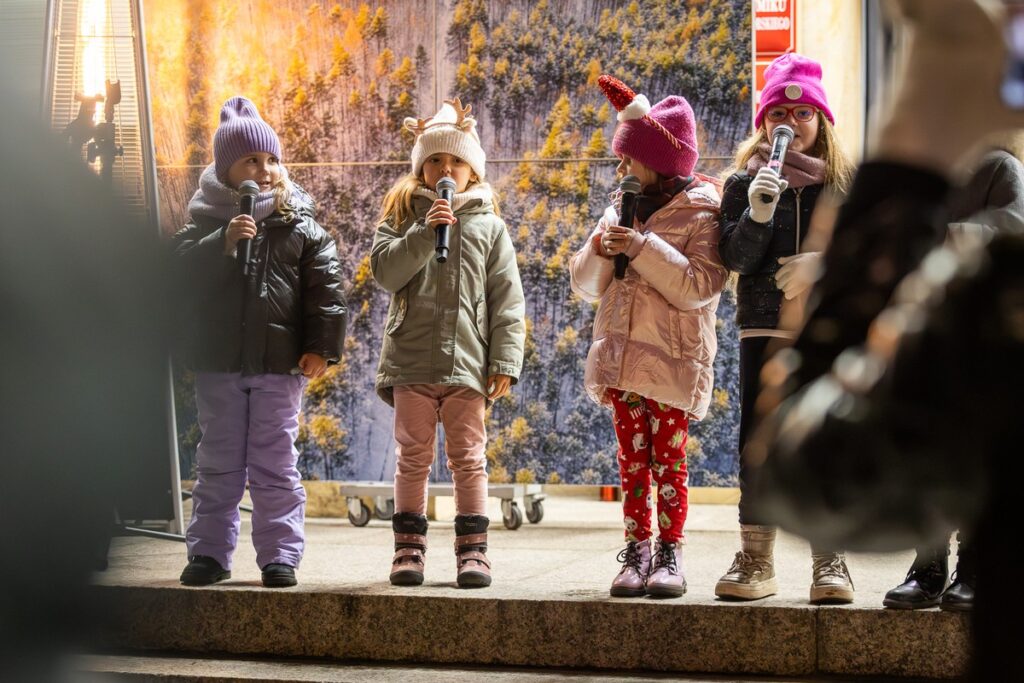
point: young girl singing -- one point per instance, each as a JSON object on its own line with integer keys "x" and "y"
{"x": 454, "y": 336}
{"x": 654, "y": 334}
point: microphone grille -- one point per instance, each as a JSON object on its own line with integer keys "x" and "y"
{"x": 248, "y": 188}
{"x": 446, "y": 183}
{"x": 630, "y": 184}
{"x": 782, "y": 130}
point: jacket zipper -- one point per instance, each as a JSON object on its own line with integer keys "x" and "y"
{"x": 797, "y": 191}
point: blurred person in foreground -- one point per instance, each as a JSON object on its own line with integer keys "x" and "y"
{"x": 893, "y": 418}
{"x": 80, "y": 397}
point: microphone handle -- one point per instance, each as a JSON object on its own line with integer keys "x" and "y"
{"x": 441, "y": 233}
{"x": 628, "y": 214}
{"x": 775, "y": 163}
{"x": 244, "y": 247}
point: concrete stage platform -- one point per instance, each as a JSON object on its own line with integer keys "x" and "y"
{"x": 548, "y": 607}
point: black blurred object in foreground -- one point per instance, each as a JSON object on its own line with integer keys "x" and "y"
{"x": 918, "y": 429}
{"x": 80, "y": 399}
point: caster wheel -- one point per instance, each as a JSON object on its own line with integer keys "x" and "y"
{"x": 359, "y": 515}
{"x": 515, "y": 518}
{"x": 535, "y": 512}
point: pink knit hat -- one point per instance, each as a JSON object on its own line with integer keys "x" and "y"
{"x": 662, "y": 137}
{"x": 792, "y": 79}
{"x": 241, "y": 131}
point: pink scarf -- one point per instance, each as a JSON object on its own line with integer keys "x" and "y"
{"x": 799, "y": 169}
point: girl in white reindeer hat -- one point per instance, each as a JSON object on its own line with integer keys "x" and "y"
{"x": 454, "y": 335}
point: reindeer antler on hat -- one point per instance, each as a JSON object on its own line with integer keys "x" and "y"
{"x": 644, "y": 129}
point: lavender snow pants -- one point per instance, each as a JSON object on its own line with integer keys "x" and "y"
{"x": 249, "y": 426}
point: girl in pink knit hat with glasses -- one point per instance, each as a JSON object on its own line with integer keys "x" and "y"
{"x": 654, "y": 334}
{"x": 765, "y": 219}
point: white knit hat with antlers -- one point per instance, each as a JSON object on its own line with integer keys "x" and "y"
{"x": 450, "y": 130}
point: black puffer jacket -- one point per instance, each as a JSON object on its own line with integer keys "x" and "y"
{"x": 752, "y": 249}
{"x": 294, "y": 301}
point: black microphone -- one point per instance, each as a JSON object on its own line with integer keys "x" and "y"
{"x": 781, "y": 137}
{"x": 246, "y": 205}
{"x": 445, "y": 190}
{"x": 630, "y": 186}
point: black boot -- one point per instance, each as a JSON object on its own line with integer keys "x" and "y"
{"x": 472, "y": 565}
{"x": 277, "y": 575}
{"x": 925, "y": 581}
{"x": 203, "y": 571}
{"x": 410, "y": 548}
{"x": 959, "y": 597}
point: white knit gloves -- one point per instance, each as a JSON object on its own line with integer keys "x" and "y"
{"x": 769, "y": 185}
{"x": 798, "y": 273}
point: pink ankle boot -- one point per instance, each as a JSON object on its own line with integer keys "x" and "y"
{"x": 636, "y": 564}
{"x": 666, "y": 579}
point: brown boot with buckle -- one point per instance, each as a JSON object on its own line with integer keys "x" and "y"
{"x": 410, "y": 548}
{"x": 474, "y": 569}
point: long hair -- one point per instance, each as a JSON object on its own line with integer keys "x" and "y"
{"x": 396, "y": 209}
{"x": 838, "y": 167}
{"x": 284, "y": 193}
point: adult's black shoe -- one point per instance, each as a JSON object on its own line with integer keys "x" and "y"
{"x": 925, "y": 581}
{"x": 203, "y": 571}
{"x": 959, "y": 597}
{"x": 279, "y": 576}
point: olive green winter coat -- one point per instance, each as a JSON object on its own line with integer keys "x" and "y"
{"x": 456, "y": 322}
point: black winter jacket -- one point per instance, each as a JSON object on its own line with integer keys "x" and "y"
{"x": 752, "y": 249}
{"x": 293, "y": 300}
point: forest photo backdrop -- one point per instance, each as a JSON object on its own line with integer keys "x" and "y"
{"x": 335, "y": 79}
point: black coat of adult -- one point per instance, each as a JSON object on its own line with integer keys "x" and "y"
{"x": 752, "y": 249}
{"x": 293, "y": 299}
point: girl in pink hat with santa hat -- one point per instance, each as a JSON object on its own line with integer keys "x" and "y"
{"x": 765, "y": 219}
{"x": 654, "y": 334}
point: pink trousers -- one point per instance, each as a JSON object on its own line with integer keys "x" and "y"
{"x": 418, "y": 407}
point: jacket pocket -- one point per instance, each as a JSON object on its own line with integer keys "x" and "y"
{"x": 399, "y": 309}
{"x": 687, "y": 326}
{"x": 481, "y": 319}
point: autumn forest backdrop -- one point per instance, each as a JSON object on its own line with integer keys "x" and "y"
{"x": 335, "y": 79}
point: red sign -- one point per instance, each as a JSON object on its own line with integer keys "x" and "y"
{"x": 774, "y": 25}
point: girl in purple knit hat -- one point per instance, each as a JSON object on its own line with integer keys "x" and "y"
{"x": 654, "y": 334}
{"x": 765, "y": 219}
{"x": 255, "y": 341}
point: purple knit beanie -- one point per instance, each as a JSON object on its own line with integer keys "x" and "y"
{"x": 792, "y": 79}
{"x": 662, "y": 137}
{"x": 241, "y": 131}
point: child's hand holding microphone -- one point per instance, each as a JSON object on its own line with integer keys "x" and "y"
{"x": 769, "y": 185}
{"x": 240, "y": 228}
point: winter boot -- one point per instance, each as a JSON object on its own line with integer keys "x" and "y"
{"x": 474, "y": 570}
{"x": 410, "y": 548}
{"x": 666, "y": 579}
{"x": 277, "y": 575}
{"x": 636, "y": 565}
{"x": 831, "y": 583}
{"x": 924, "y": 583}
{"x": 203, "y": 571}
{"x": 959, "y": 597}
{"x": 752, "y": 574}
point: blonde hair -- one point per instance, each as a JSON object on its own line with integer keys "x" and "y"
{"x": 838, "y": 167}
{"x": 284, "y": 193}
{"x": 396, "y": 209}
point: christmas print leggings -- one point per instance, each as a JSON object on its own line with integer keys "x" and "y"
{"x": 652, "y": 438}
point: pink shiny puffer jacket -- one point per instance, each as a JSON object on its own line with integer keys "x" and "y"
{"x": 654, "y": 333}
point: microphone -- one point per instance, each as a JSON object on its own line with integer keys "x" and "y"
{"x": 630, "y": 186}
{"x": 246, "y": 205}
{"x": 781, "y": 137}
{"x": 445, "y": 190}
